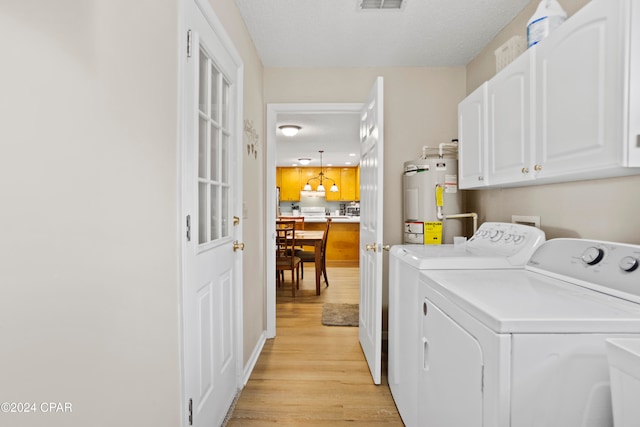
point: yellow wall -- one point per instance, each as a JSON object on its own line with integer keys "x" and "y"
{"x": 604, "y": 209}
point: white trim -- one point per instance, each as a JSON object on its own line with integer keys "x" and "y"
{"x": 255, "y": 354}
{"x": 270, "y": 191}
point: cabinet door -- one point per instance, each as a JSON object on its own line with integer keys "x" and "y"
{"x": 578, "y": 96}
{"x": 348, "y": 184}
{"x": 290, "y": 189}
{"x": 334, "y": 176}
{"x": 509, "y": 142}
{"x": 279, "y": 178}
{"x": 357, "y": 184}
{"x": 472, "y": 139}
{"x": 307, "y": 174}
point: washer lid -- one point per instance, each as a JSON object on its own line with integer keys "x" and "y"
{"x": 519, "y": 301}
{"x": 446, "y": 257}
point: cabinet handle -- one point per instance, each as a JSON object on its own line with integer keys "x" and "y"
{"x": 537, "y": 168}
{"x": 525, "y": 170}
{"x": 481, "y": 178}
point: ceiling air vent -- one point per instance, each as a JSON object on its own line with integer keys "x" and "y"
{"x": 380, "y": 4}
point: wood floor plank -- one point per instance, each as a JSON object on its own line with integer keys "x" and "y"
{"x": 310, "y": 374}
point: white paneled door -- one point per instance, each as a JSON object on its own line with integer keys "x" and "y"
{"x": 371, "y": 185}
{"x": 211, "y": 194}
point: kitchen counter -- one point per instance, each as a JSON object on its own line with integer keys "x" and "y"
{"x": 334, "y": 218}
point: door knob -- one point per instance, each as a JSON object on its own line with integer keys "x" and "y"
{"x": 386, "y": 247}
{"x": 238, "y": 246}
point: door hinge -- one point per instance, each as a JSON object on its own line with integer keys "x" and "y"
{"x": 189, "y": 44}
{"x": 188, "y": 228}
{"x": 190, "y": 412}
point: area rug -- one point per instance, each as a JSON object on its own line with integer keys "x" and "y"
{"x": 334, "y": 314}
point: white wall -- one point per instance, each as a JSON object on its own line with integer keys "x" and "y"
{"x": 89, "y": 279}
{"x": 604, "y": 209}
{"x": 253, "y": 221}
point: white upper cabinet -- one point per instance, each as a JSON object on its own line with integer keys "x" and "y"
{"x": 472, "y": 117}
{"x": 509, "y": 142}
{"x": 569, "y": 107}
{"x": 578, "y": 102}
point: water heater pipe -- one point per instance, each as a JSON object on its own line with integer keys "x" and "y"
{"x": 453, "y": 143}
{"x": 466, "y": 215}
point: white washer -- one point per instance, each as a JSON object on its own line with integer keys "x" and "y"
{"x": 516, "y": 348}
{"x": 494, "y": 246}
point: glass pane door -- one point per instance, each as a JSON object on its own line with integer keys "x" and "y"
{"x": 213, "y": 152}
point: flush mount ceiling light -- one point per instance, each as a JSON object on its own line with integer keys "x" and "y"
{"x": 289, "y": 130}
{"x": 304, "y": 161}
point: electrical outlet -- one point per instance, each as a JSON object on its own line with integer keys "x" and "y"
{"x": 531, "y": 220}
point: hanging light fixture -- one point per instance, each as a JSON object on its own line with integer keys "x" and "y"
{"x": 321, "y": 177}
{"x": 289, "y": 130}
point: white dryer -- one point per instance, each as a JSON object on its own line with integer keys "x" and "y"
{"x": 495, "y": 245}
{"x": 526, "y": 348}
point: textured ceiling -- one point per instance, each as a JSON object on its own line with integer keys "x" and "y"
{"x": 336, "y": 33}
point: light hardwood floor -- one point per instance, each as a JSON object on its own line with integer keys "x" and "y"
{"x": 310, "y": 374}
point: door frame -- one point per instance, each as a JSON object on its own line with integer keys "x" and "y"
{"x": 236, "y": 202}
{"x": 273, "y": 110}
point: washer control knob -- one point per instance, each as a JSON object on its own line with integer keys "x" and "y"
{"x": 592, "y": 255}
{"x": 628, "y": 263}
{"x": 518, "y": 239}
{"x": 495, "y": 235}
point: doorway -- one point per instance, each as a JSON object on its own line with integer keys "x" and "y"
{"x": 274, "y": 113}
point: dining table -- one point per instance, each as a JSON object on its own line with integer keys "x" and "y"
{"x": 312, "y": 238}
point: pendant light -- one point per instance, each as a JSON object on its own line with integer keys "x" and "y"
{"x": 321, "y": 177}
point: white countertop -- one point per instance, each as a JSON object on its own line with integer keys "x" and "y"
{"x": 334, "y": 218}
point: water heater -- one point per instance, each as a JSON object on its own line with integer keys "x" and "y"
{"x": 430, "y": 194}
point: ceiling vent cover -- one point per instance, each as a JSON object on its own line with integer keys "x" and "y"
{"x": 380, "y": 4}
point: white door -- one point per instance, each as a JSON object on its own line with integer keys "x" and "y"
{"x": 371, "y": 185}
{"x": 211, "y": 190}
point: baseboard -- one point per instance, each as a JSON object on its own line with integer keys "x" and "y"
{"x": 251, "y": 363}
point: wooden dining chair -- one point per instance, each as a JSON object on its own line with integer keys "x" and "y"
{"x": 310, "y": 256}
{"x": 298, "y": 219}
{"x": 286, "y": 258}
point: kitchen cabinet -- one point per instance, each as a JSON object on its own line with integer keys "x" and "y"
{"x": 306, "y": 174}
{"x": 348, "y": 184}
{"x": 357, "y": 183}
{"x": 334, "y": 174}
{"x": 343, "y": 246}
{"x": 290, "y": 184}
{"x": 292, "y": 180}
{"x": 567, "y": 109}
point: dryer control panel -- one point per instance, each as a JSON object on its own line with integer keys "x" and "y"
{"x": 607, "y": 267}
